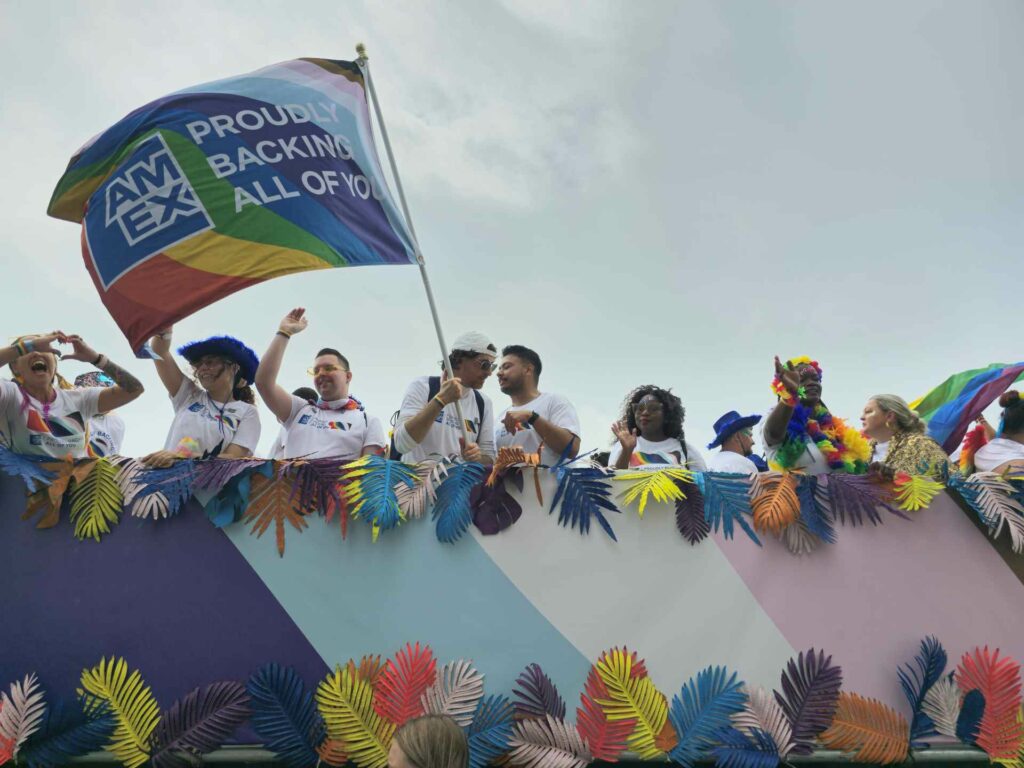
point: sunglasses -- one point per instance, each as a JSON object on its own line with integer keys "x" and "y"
{"x": 316, "y": 370}
{"x": 485, "y": 365}
{"x": 642, "y": 407}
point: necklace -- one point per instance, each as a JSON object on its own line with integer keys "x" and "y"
{"x": 842, "y": 446}
{"x": 220, "y": 412}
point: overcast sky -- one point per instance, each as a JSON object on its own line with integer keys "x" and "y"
{"x": 643, "y": 192}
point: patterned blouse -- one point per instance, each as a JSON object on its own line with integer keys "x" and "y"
{"x": 916, "y": 454}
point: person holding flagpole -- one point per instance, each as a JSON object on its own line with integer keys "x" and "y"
{"x": 214, "y": 415}
{"x": 334, "y": 426}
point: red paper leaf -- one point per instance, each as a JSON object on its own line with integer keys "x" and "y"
{"x": 998, "y": 679}
{"x": 400, "y": 688}
{"x": 607, "y": 739}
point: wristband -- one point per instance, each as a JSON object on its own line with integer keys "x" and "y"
{"x": 439, "y": 401}
{"x": 19, "y": 347}
{"x": 28, "y": 346}
{"x": 785, "y": 396}
{"x": 283, "y": 333}
{"x": 533, "y": 417}
{"x": 96, "y": 362}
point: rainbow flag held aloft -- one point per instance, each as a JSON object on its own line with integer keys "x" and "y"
{"x": 950, "y": 408}
{"x": 224, "y": 185}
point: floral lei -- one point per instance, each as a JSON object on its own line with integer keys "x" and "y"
{"x": 843, "y": 447}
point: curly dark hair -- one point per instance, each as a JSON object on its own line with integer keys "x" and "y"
{"x": 672, "y": 408}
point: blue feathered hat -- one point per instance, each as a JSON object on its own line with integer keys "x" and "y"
{"x": 224, "y": 346}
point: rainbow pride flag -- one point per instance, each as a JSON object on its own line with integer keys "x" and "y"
{"x": 224, "y": 185}
{"x": 950, "y": 407}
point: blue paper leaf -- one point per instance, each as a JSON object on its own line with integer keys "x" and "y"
{"x": 812, "y": 512}
{"x": 370, "y": 490}
{"x": 702, "y": 709}
{"x": 491, "y": 731}
{"x": 737, "y": 750}
{"x": 971, "y": 712}
{"x": 28, "y": 468}
{"x": 285, "y": 715}
{"x": 174, "y": 482}
{"x": 68, "y": 732}
{"x": 727, "y": 502}
{"x": 916, "y": 679}
{"x": 583, "y": 493}
{"x": 452, "y": 510}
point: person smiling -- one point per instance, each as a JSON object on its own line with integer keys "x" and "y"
{"x": 214, "y": 415}
{"x": 45, "y": 420}
{"x": 801, "y": 433}
{"x": 335, "y": 425}
{"x": 898, "y": 439}
{"x": 651, "y": 432}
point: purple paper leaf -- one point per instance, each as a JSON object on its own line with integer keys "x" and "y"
{"x": 316, "y": 485}
{"x": 810, "y": 693}
{"x": 690, "y": 514}
{"x": 515, "y": 476}
{"x": 200, "y": 722}
{"x": 537, "y": 696}
{"x": 855, "y": 497}
{"x": 494, "y": 509}
{"x": 214, "y": 474}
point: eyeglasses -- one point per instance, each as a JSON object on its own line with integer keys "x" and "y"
{"x": 648, "y": 407}
{"x": 209, "y": 361}
{"x": 485, "y": 365}
{"x": 316, "y": 370}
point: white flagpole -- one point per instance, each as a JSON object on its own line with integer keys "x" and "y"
{"x": 364, "y": 67}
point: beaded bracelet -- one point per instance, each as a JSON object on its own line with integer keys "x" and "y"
{"x": 785, "y": 396}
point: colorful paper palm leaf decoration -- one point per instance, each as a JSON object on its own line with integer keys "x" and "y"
{"x": 21, "y": 712}
{"x": 810, "y": 692}
{"x": 66, "y": 733}
{"x": 414, "y": 500}
{"x": 815, "y": 514}
{"x": 690, "y": 517}
{"x": 199, "y": 723}
{"x": 727, "y": 502}
{"x": 153, "y": 506}
{"x": 915, "y": 492}
{"x": 132, "y": 704}
{"x": 663, "y": 485}
{"x": 916, "y": 680}
{"x": 493, "y": 508}
{"x": 452, "y": 512}
{"x": 798, "y": 540}
{"x": 285, "y": 716}
{"x": 868, "y": 729}
{"x": 270, "y": 503}
{"x": 30, "y": 469}
{"x": 316, "y": 489}
{"x": 761, "y": 712}
{"x": 547, "y": 743}
{"x": 633, "y": 696}
{"x": 346, "y": 705}
{"x": 854, "y": 498}
{"x": 173, "y": 483}
{"x": 743, "y": 749}
{"x": 456, "y": 692}
{"x": 606, "y": 738}
{"x": 370, "y": 491}
{"x": 47, "y": 502}
{"x": 968, "y": 723}
{"x": 1018, "y": 761}
{"x": 369, "y": 669}
{"x": 490, "y": 733}
{"x": 774, "y": 501}
{"x": 703, "y": 708}
{"x": 992, "y": 498}
{"x": 582, "y": 494}
{"x": 941, "y": 705}
{"x": 96, "y": 502}
{"x": 536, "y": 696}
{"x": 398, "y": 695}
{"x": 998, "y": 680}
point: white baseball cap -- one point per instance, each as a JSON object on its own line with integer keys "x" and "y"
{"x": 474, "y": 341}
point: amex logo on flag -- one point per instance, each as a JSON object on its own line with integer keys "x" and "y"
{"x": 224, "y": 185}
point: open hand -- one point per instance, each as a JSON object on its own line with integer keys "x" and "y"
{"x": 627, "y": 439}
{"x": 294, "y": 322}
{"x": 44, "y": 342}
{"x": 790, "y": 379}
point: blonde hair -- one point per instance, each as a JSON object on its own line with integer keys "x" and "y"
{"x": 907, "y": 420}
{"x": 433, "y": 741}
{"x": 59, "y": 380}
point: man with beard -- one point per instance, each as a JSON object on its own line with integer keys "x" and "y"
{"x": 536, "y": 421}
{"x": 734, "y": 433}
{"x": 427, "y": 425}
{"x": 335, "y": 425}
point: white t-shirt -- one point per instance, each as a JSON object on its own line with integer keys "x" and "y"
{"x": 549, "y": 406}
{"x": 997, "y": 452}
{"x": 277, "y": 447}
{"x": 106, "y": 434}
{"x": 57, "y": 430}
{"x": 442, "y": 440}
{"x": 812, "y": 461}
{"x": 315, "y": 432}
{"x": 667, "y": 451}
{"x": 730, "y": 461}
{"x": 213, "y": 425}
{"x": 878, "y": 452}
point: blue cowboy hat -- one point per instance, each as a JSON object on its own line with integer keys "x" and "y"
{"x": 729, "y": 424}
{"x": 224, "y": 346}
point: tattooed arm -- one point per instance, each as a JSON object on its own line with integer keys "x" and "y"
{"x": 126, "y": 387}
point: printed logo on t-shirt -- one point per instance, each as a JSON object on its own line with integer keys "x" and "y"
{"x": 54, "y": 431}
{"x": 229, "y": 418}
{"x": 473, "y": 427}
{"x": 639, "y": 459}
{"x": 310, "y": 420}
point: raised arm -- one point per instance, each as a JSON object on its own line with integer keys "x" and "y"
{"x": 41, "y": 343}
{"x": 168, "y": 370}
{"x": 277, "y": 398}
{"x": 777, "y": 421}
{"x": 126, "y": 387}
